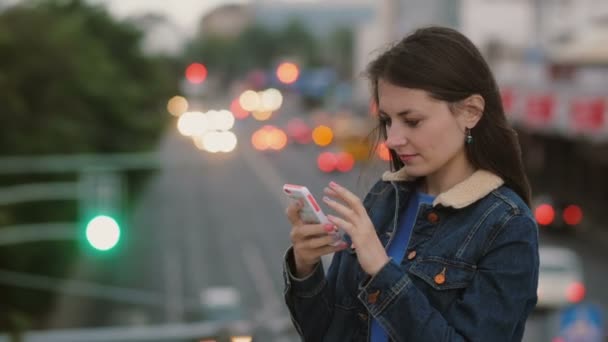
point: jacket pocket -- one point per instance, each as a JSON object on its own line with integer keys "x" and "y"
{"x": 441, "y": 280}
{"x": 443, "y": 274}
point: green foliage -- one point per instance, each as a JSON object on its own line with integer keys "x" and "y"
{"x": 74, "y": 80}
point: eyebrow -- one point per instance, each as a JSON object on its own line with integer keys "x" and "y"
{"x": 402, "y": 113}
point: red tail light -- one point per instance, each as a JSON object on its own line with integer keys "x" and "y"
{"x": 575, "y": 292}
{"x": 544, "y": 214}
{"x": 572, "y": 215}
{"x": 345, "y": 162}
{"x": 327, "y": 162}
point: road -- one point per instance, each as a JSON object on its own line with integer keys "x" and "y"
{"x": 220, "y": 222}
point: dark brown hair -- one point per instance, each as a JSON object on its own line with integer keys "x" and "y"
{"x": 447, "y": 65}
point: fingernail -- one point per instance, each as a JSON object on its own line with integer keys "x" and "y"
{"x": 333, "y": 184}
{"x": 328, "y": 227}
{"x": 326, "y": 199}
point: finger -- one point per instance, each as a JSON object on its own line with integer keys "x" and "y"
{"x": 331, "y": 249}
{"x": 319, "y": 241}
{"x": 330, "y": 192}
{"x": 348, "y": 197}
{"x": 339, "y": 208}
{"x": 327, "y": 249}
{"x": 347, "y": 226}
{"x": 293, "y": 213}
{"x": 309, "y": 231}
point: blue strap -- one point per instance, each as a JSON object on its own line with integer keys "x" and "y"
{"x": 396, "y": 250}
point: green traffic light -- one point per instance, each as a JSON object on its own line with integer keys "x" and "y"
{"x": 103, "y": 232}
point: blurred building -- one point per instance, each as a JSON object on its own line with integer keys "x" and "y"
{"x": 228, "y": 20}
{"x": 162, "y": 36}
{"x": 536, "y": 28}
{"x": 392, "y": 20}
{"x": 320, "y": 18}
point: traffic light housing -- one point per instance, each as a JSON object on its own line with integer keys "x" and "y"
{"x": 100, "y": 210}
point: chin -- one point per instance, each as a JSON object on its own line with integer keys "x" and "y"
{"x": 416, "y": 170}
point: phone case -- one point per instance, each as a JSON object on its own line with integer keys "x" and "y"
{"x": 311, "y": 211}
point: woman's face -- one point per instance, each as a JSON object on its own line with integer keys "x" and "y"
{"x": 423, "y": 131}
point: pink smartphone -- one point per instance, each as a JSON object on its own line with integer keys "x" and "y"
{"x": 311, "y": 211}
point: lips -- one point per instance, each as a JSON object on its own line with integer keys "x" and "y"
{"x": 407, "y": 157}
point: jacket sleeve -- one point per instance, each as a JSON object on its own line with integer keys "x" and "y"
{"x": 310, "y": 300}
{"x": 498, "y": 299}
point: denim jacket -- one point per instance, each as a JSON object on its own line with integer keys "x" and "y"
{"x": 469, "y": 273}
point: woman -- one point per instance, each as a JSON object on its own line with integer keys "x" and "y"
{"x": 444, "y": 246}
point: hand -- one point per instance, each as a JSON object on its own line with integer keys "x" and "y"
{"x": 310, "y": 241}
{"x": 356, "y": 223}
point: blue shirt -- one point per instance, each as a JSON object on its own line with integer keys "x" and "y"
{"x": 396, "y": 250}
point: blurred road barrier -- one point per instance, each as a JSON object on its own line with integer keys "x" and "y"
{"x": 161, "y": 332}
{"x": 24, "y": 233}
{"x": 83, "y": 288}
{"x": 38, "y": 192}
{"x": 80, "y": 162}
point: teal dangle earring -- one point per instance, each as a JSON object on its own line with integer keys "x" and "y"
{"x": 469, "y": 137}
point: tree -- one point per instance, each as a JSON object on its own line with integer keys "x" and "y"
{"x": 82, "y": 81}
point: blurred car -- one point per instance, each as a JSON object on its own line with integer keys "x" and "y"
{"x": 560, "y": 280}
{"x": 557, "y": 215}
{"x": 221, "y": 303}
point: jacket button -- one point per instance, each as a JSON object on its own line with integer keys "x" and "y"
{"x": 363, "y": 316}
{"x": 440, "y": 277}
{"x": 411, "y": 255}
{"x": 433, "y": 217}
{"x": 372, "y": 298}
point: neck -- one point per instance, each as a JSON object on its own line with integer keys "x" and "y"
{"x": 453, "y": 172}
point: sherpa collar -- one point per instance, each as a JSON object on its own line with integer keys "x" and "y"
{"x": 472, "y": 189}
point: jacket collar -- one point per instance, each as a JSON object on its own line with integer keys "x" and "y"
{"x": 463, "y": 194}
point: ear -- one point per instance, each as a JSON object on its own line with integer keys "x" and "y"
{"x": 471, "y": 110}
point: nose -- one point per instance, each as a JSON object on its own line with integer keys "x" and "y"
{"x": 394, "y": 138}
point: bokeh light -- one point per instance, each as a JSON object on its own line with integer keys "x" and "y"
{"x": 345, "y": 162}
{"x": 269, "y": 137}
{"x": 177, "y": 105}
{"x": 220, "y": 120}
{"x": 261, "y": 116}
{"x": 544, "y": 214}
{"x": 322, "y": 135}
{"x": 327, "y": 162}
{"x": 288, "y": 73}
{"x": 250, "y": 100}
{"x": 192, "y": 123}
{"x": 271, "y": 100}
{"x": 239, "y": 112}
{"x": 278, "y": 139}
{"x": 196, "y": 73}
{"x": 299, "y": 131}
{"x": 572, "y": 215}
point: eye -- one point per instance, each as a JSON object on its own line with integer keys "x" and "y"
{"x": 412, "y": 123}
